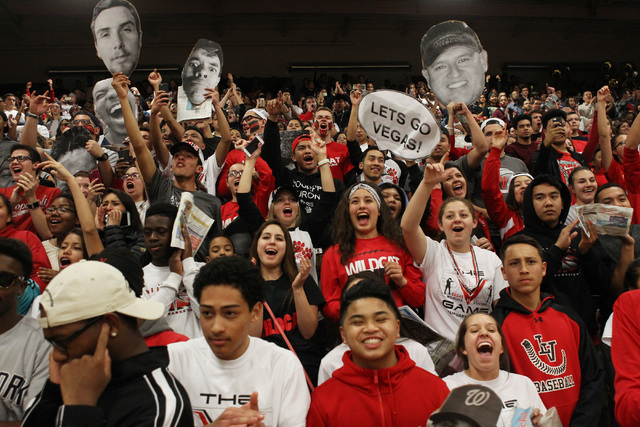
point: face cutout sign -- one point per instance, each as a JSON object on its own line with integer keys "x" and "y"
{"x": 109, "y": 111}
{"x": 453, "y": 62}
{"x": 117, "y": 35}
{"x": 202, "y": 70}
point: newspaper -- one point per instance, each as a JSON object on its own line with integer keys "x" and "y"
{"x": 607, "y": 219}
{"x": 198, "y": 223}
{"x": 188, "y": 111}
{"x": 442, "y": 352}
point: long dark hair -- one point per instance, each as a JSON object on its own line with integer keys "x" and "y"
{"x": 288, "y": 265}
{"x": 344, "y": 235}
{"x": 129, "y": 204}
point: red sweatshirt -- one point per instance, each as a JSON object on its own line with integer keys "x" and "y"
{"x": 509, "y": 222}
{"x": 403, "y": 395}
{"x": 625, "y": 352}
{"x": 631, "y": 164}
{"x": 261, "y": 190}
{"x": 370, "y": 255}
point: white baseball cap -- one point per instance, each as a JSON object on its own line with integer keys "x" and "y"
{"x": 90, "y": 289}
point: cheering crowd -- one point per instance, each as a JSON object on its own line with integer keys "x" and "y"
{"x": 338, "y": 283}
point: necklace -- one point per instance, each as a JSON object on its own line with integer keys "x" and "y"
{"x": 469, "y": 294}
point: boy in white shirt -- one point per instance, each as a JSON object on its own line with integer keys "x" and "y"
{"x": 229, "y": 375}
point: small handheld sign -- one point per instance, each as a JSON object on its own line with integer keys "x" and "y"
{"x": 399, "y": 123}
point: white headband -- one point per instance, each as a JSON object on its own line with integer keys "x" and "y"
{"x": 370, "y": 189}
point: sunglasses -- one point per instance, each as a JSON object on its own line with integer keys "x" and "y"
{"x": 7, "y": 279}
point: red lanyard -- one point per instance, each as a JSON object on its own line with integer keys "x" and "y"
{"x": 459, "y": 273}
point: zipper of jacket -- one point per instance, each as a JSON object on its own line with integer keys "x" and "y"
{"x": 376, "y": 382}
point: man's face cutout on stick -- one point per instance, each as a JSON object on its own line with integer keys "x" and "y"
{"x": 202, "y": 70}
{"x": 453, "y": 62}
{"x": 117, "y": 35}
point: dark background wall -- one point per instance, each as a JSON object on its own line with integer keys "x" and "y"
{"x": 52, "y": 39}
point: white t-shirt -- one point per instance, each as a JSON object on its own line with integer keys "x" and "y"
{"x": 514, "y": 390}
{"x": 52, "y": 253}
{"x": 447, "y": 302}
{"x": 24, "y": 367}
{"x": 607, "y": 332}
{"x": 215, "y": 385}
{"x": 417, "y": 352}
{"x": 162, "y": 285}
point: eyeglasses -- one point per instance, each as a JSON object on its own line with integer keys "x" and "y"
{"x": 19, "y": 159}
{"x": 233, "y": 174}
{"x": 7, "y": 279}
{"x": 63, "y": 344}
{"x": 134, "y": 175}
{"x": 83, "y": 122}
{"x": 61, "y": 209}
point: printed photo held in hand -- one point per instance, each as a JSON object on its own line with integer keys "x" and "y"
{"x": 109, "y": 111}
{"x": 201, "y": 71}
{"x": 454, "y": 62}
{"x": 197, "y": 222}
{"x": 399, "y": 123}
{"x": 117, "y": 35}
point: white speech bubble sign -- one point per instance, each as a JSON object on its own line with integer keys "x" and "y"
{"x": 399, "y": 123}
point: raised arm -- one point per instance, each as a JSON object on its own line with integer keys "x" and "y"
{"x": 480, "y": 146}
{"x": 413, "y": 235}
{"x": 91, "y": 237}
{"x": 143, "y": 155}
{"x": 161, "y": 99}
{"x": 352, "y": 127}
{"x": 605, "y": 143}
{"x": 155, "y": 78}
{"x": 37, "y": 106}
{"x": 223, "y": 126}
{"x": 490, "y": 184}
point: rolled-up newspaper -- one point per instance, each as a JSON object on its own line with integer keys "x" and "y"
{"x": 198, "y": 223}
{"x": 607, "y": 219}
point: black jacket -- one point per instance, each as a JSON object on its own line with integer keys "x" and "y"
{"x": 141, "y": 392}
{"x": 545, "y": 160}
{"x": 572, "y": 277}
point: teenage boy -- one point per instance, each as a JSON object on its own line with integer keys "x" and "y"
{"x": 233, "y": 378}
{"x": 101, "y": 372}
{"x": 163, "y": 275}
{"x": 547, "y": 342}
{"x": 24, "y": 362}
{"x": 375, "y": 368}
{"x": 577, "y": 268}
{"x": 553, "y": 157}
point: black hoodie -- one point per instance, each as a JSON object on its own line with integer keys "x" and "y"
{"x": 572, "y": 277}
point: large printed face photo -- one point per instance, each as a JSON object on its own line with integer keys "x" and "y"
{"x": 453, "y": 62}
{"x": 202, "y": 70}
{"x": 117, "y": 35}
{"x": 109, "y": 110}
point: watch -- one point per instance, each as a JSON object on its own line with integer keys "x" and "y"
{"x": 104, "y": 157}
{"x": 34, "y": 205}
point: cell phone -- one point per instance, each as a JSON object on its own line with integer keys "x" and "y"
{"x": 558, "y": 121}
{"x": 125, "y": 221}
{"x": 252, "y": 146}
{"x": 95, "y": 174}
{"x": 125, "y": 155}
{"x": 164, "y": 87}
{"x": 551, "y": 99}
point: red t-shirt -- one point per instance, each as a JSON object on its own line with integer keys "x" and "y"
{"x": 338, "y": 155}
{"x": 567, "y": 164}
{"x": 228, "y": 213}
{"x": 21, "y": 217}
